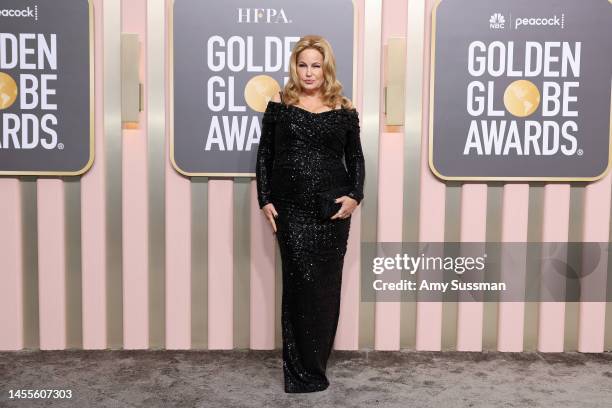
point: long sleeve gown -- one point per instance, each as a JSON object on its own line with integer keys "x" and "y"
{"x": 300, "y": 153}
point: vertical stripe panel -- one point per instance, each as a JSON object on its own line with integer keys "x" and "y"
{"x": 156, "y": 162}
{"x": 74, "y": 281}
{"x": 515, "y": 213}
{"x": 431, "y": 209}
{"x": 351, "y": 309}
{"x": 263, "y": 312}
{"x": 11, "y": 266}
{"x": 177, "y": 215}
{"x": 494, "y": 228}
{"x": 29, "y": 222}
{"x": 370, "y": 131}
{"x": 596, "y": 228}
{"x": 555, "y": 228}
{"x": 220, "y": 264}
{"x": 242, "y": 261}
{"x": 135, "y": 203}
{"x": 199, "y": 262}
{"x": 391, "y": 168}
{"x": 93, "y": 211}
{"x": 575, "y": 233}
{"x": 178, "y": 260}
{"x": 51, "y": 263}
{"x": 473, "y": 229}
{"x": 390, "y": 205}
{"x": 452, "y": 233}
{"x": 278, "y": 298}
{"x": 412, "y": 147}
{"x": 113, "y": 174}
{"x": 534, "y": 234}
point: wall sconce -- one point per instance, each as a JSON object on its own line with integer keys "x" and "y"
{"x": 395, "y": 74}
{"x": 131, "y": 88}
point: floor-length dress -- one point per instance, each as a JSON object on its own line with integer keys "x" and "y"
{"x": 300, "y": 153}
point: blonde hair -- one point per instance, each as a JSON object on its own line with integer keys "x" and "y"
{"x": 331, "y": 89}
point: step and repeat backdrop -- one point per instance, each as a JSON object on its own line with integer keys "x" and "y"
{"x": 159, "y": 241}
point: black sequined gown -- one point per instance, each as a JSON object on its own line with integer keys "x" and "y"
{"x": 300, "y": 153}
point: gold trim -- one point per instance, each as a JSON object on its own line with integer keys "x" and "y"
{"x": 170, "y": 78}
{"x": 431, "y": 115}
{"x": 91, "y": 116}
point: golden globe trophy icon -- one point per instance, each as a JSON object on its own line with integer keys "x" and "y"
{"x": 259, "y": 90}
{"x": 521, "y": 98}
{"x": 8, "y": 90}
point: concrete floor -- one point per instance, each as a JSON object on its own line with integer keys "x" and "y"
{"x": 246, "y": 378}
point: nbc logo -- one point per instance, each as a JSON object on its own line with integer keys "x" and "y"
{"x": 497, "y": 21}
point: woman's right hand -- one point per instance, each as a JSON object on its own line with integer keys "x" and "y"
{"x": 271, "y": 214}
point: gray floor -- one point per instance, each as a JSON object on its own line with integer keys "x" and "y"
{"x": 246, "y": 378}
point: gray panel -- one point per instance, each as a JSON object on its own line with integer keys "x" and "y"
{"x": 572, "y": 318}
{"x": 29, "y": 221}
{"x": 530, "y": 326}
{"x": 495, "y": 192}
{"x": 489, "y": 326}
{"x": 74, "y": 279}
{"x": 242, "y": 262}
{"x": 113, "y": 153}
{"x": 576, "y": 222}
{"x": 199, "y": 262}
{"x": 495, "y": 196}
{"x": 156, "y": 161}
{"x": 452, "y": 232}
{"x": 534, "y": 234}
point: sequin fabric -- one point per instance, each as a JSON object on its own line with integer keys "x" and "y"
{"x": 300, "y": 153}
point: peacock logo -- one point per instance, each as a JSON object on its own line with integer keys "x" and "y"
{"x": 27, "y": 12}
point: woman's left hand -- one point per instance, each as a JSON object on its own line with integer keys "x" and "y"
{"x": 348, "y": 206}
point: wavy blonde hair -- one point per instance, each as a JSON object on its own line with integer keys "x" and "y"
{"x": 331, "y": 89}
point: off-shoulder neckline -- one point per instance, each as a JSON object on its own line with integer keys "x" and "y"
{"x": 313, "y": 113}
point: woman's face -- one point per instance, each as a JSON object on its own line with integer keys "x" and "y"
{"x": 310, "y": 69}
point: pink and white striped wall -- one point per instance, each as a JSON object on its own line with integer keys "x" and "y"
{"x": 134, "y": 255}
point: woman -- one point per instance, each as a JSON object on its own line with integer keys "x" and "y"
{"x": 308, "y": 196}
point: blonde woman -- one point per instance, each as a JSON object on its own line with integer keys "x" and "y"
{"x": 308, "y": 194}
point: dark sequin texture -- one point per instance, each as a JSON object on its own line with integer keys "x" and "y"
{"x": 300, "y": 153}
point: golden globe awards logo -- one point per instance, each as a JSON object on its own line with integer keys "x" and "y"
{"x": 228, "y": 62}
{"x": 46, "y": 87}
{"x": 31, "y": 90}
{"x": 236, "y": 54}
{"x": 557, "y": 65}
{"x": 520, "y": 90}
{"x": 234, "y": 130}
